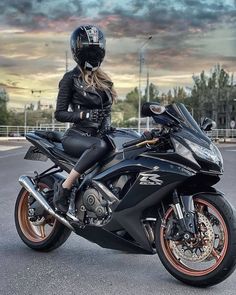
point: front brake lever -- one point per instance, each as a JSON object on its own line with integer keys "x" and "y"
{"x": 149, "y": 142}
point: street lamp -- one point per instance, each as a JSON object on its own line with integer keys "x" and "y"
{"x": 140, "y": 72}
{"x": 148, "y": 96}
{"x": 25, "y": 119}
{"x": 26, "y": 116}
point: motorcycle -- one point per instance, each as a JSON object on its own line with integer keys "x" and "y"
{"x": 152, "y": 193}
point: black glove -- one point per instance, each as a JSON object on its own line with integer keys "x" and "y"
{"x": 91, "y": 115}
{"x": 154, "y": 133}
{"x": 147, "y": 135}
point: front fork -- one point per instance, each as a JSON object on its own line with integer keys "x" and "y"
{"x": 185, "y": 213}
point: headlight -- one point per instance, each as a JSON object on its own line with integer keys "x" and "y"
{"x": 217, "y": 153}
{"x": 183, "y": 151}
{"x": 212, "y": 154}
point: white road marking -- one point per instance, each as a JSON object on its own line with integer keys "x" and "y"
{"x": 230, "y": 150}
{"x": 8, "y": 147}
{"x": 12, "y": 155}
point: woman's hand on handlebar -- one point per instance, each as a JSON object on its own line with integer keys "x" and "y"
{"x": 147, "y": 135}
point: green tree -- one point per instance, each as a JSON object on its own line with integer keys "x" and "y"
{"x": 133, "y": 98}
{"x": 34, "y": 118}
{"x": 153, "y": 93}
{"x": 129, "y": 106}
{"x": 213, "y": 94}
{"x": 4, "y": 98}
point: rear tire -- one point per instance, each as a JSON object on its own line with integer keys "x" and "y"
{"x": 48, "y": 235}
{"x": 225, "y": 260}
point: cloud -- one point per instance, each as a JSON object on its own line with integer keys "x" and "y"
{"x": 10, "y": 86}
{"x": 172, "y": 23}
{"x": 34, "y": 36}
{"x": 35, "y": 15}
{"x": 165, "y": 16}
{"x": 138, "y": 5}
{"x": 128, "y": 18}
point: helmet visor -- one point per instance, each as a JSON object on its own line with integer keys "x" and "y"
{"x": 91, "y": 54}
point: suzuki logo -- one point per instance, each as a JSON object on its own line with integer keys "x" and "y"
{"x": 150, "y": 179}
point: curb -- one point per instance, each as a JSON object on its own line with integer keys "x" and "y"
{"x": 12, "y": 138}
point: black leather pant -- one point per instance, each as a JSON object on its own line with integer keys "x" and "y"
{"x": 89, "y": 149}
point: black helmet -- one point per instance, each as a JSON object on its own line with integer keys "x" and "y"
{"x": 88, "y": 47}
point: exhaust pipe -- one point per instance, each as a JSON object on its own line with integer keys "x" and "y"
{"x": 27, "y": 183}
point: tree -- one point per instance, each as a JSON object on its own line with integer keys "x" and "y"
{"x": 133, "y": 98}
{"x": 212, "y": 95}
{"x": 129, "y": 106}
{"x": 4, "y": 98}
{"x": 153, "y": 94}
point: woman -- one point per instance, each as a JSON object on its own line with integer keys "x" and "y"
{"x": 89, "y": 92}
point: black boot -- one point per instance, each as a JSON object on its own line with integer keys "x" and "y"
{"x": 61, "y": 197}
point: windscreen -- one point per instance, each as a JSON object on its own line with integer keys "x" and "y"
{"x": 179, "y": 111}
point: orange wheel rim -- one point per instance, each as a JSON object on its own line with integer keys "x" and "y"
{"x": 215, "y": 256}
{"x": 34, "y": 232}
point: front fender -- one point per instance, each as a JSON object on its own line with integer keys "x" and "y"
{"x": 194, "y": 191}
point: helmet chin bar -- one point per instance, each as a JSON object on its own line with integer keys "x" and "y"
{"x": 89, "y": 67}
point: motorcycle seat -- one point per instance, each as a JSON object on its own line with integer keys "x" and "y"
{"x": 54, "y": 136}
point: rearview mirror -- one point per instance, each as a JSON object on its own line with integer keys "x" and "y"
{"x": 152, "y": 108}
{"x": 157, "y": 109}
{"x": 208, "y": 124}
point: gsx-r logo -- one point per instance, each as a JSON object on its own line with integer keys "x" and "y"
{"x": 150, "y": 179}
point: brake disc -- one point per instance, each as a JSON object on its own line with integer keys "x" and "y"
{"x": 201, "y": 249}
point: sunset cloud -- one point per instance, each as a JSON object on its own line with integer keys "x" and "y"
{"x": 188, "y": 36}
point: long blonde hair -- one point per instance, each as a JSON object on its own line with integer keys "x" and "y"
{"x": 99, "y": 79}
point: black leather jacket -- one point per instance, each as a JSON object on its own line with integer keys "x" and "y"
{"x": 74, "y": 93}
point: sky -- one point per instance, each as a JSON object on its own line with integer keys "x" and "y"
{"x": 188, "y": 36}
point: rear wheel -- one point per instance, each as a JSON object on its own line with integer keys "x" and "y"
{"x": 209, "y": 257}
{"x": 44, "y": 234}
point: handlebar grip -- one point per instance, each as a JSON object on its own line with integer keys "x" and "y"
{"x": 133, "y": 142}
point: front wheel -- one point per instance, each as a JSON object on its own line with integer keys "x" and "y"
{"x": 209, "y": 257}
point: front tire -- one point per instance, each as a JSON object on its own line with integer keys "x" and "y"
{"x": 214, "y": 258}
{"x": 44, "y": 235}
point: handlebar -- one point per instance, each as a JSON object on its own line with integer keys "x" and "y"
{"x": 133, "y": 142}
{"x": 147, "y": 137}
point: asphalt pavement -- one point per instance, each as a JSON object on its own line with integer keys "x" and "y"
{"x": 80, "y": 267}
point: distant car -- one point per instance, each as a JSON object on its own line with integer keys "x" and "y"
{"x": 15, "y": 134}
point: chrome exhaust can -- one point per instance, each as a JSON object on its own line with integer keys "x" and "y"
{"x": 28, "y": 184}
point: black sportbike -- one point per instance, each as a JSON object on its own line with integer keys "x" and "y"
{"x": 152, "y": 193}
